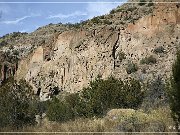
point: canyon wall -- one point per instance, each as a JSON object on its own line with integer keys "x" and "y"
{"x": 76, "y": 57}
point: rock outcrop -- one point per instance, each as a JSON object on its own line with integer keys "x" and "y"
{"x": 71, "y": 58}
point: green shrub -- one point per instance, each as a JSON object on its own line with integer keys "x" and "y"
{"x": 157, "y": 120}
{"x": 101, "y": 17}
{"x": 83, "y": 22}
{"x": 107, "y": 22}
{"x": 59, "y": 111}
{"x": 73, "y": 100}
{"x": 3, "y": 43}
{"x": 16, "y": 101}
{"x": 122, "y": 23}
{"x": 159, "y": 49}
{"x": 131, "y": 68}
{"x": 15, "y": 52}
{"x": 173, "y": 91}
{"x": 138, "y": 121}
{"x": 112, "y": 11}
{"x": 142, "y": 2}
{"x": 120, "y": 10}
{"x": 77, "y": 25}
{"x": 155, "y": 96}
{"x": 121, "y": 55}
{"x": 97, "y": 99}
{"x": 102, "y": 95}
{"x": 96, "y": 20}
{"x": 148, "y": 60}
{"x": 131, "y": 9}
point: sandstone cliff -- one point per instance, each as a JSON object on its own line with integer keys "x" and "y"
{"x": 68, "y": 58}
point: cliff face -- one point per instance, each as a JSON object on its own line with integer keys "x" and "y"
{"x": 74, "y": 57}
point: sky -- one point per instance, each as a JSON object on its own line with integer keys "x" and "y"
{"x": 27, "y": 16}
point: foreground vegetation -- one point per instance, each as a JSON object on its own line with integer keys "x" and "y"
{"x": 97, "y": 99}
{"x": 16, "y": 101}
{"x": 91, "y": 110}
{"x": 158, "y": 120}
{"x": 174, "y": 91}
{"x": 105, "y": 105}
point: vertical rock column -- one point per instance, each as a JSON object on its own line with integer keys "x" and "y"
{"x": 3, "y": 73}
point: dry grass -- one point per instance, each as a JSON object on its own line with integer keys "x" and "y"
{"x": 81, "y": 125}
{"x": 158, "y": 120}
{"x": 110, "y": 123}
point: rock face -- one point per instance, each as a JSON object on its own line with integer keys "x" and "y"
{"x": 74, "y": 57}
{"x": 7, "y": 68}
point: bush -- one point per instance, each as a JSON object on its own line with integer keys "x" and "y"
{"x": 102, "y": 95}
{"x": 155, "y": 95}
{"x": 174, "y": 91}
{"x": 120, "y": 9}
{"x": 138, "y": 121}
{"x": 134, "y": 122}
{"x": 59, "y": 111}
{"x": 142, "y": 2}
{"x": 131, "y": 68}
{"x": 131, "y": 9}
{"x": 112, "y": 11}
{"x": 96, "y": 20}
{"x": 73, "y": 100}
{"x": 130, "y": 120}
{"x": 159, "y": 49}
{"x": 77, "y": 25}
{"x": 102, "y": 17}
{"x": 15, "y": 52}
{"x": 97, "y": 99}
{"x": 148, "y": 60}
{"x": 3, "y": 43}
{"x": 121, "y": 56}
{"x": 16, "y": 103}
{"x": 107, "y": 22}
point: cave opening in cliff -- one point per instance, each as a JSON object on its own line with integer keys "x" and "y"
{"x": 38, "y": 91}
{"x": 55, "y": 90}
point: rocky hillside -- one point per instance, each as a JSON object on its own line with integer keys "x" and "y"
{"x": 136, "y": 40}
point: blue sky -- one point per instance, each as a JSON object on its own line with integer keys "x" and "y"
{"x": 27, "y": 17}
